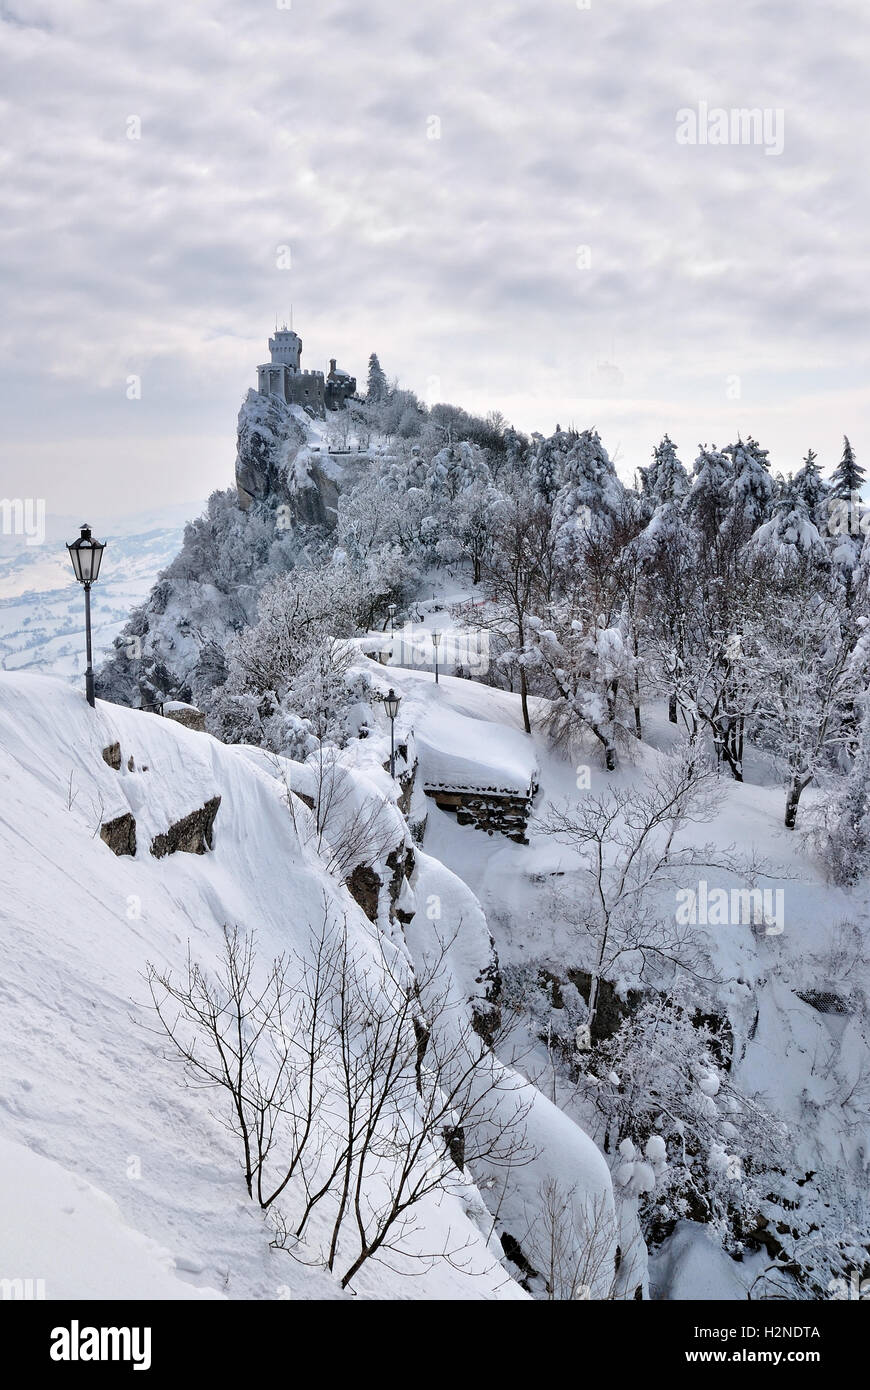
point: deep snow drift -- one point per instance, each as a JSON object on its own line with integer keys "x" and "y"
{"x": 142, "y": 1192}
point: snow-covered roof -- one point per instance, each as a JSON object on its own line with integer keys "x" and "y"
{"x": 460, "y": 754}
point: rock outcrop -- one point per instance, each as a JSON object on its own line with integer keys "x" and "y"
{"x": 274, "y": 464}
{"x": 112, "y": 756}
{"x": 191, "y": 835}
{"x": 120, "y": 834}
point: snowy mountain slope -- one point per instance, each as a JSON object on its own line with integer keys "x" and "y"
{"x": 41, "y": 605}
{"x": 446, "y": 932}
{"x": 806, "y": 1066}
{"x": 85, "y": 1084}
{"x": 558, "y": 1151}
{"x": 64, "y": 1225}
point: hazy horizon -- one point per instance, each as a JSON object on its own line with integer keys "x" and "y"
{"x": 494, "y": 200}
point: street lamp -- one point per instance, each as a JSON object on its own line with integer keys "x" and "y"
{"x": 391, "y": 609}
{"x": 436, "y": 642}
{"x": 86, "y": 555}
{"x": 391, "y": 705}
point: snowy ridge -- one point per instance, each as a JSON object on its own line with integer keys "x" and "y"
{"x": 85, "y": 1081}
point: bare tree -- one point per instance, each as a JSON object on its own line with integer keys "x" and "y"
{"x": 516, "y": 574}
{"x": 350, "y": 831}
{"x": 259, "y": 1044}
{"x": 810, "y": 673}
{"x": 343, "y": 1093}
{"x": 629, "y": 846}
{"x": 421, "y": 1098}
{"x": 570, "y": 1243}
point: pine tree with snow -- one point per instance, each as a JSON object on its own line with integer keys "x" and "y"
{"x": 861, "y": 578}
{"x": 549, "y": 464}
{"x": 666, "y": 479}
{"x": 377, "y": 381}
{"x": 845, "y": 519}
{"x": 707, "y": 502}
{"x": 848, "y": 477}
{"x": 751, "y": 492}
{"x": 590, "y": 496}
{"x": 455, "y": 468}
{"x": 516, "y": 449}
{"x": 811, "y": 486}
{"x": 790, "y": 536}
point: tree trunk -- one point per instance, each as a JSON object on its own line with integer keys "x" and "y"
{"x": 593, "y": 1001}
{"x": 524, "y": 700}
{"x": 672, "y": 707}
{"x": 795, "y": 790}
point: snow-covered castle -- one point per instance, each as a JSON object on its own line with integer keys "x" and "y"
{"x": 283, "y": 376}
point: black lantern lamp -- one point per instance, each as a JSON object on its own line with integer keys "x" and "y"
{"x": 391, "y": 705}
{"x": 86, "y": 554}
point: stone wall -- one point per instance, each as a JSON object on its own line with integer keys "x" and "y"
{"x": 305, "y": 388}
{"x": 188, "y": 715}
{"x": 496, "y": 814}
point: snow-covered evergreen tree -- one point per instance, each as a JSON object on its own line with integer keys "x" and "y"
{"x": 590, "y": 495}
{"x": 790, "y": 536}
{"x": 848, "y": 476}
{"x": 811, "y": 486}
{"x": 665, "y": 480}
{"x": 751, "y": 490}
{"x": 377, "y": 381}
{"x": 548, "y": 465}
{"x": 707, "y": 501}
{"x": 455, "y": 468}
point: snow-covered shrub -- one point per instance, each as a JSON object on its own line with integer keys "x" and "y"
{"x": 842, "y": 828}
{"x": 286, "y": 683}
{"x": 688, "y": 1144}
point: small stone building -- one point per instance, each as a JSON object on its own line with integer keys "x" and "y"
{"x": 484, "y": 774}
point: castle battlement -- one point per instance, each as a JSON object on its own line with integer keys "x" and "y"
{"x": 283, "y": 376}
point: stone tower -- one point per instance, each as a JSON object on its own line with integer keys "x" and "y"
{"x": 286, "y": 348}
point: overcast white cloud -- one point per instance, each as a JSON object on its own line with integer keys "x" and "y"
{"x": 454, "y": 258}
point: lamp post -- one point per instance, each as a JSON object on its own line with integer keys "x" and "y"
{"x": 391, "y": 705}
{"x": 391, "y": 609}
{"x": 436, "y": 642}
{"x": 87, "y": 555}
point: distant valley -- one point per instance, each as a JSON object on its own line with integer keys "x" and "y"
{"x": 41, "y": 606}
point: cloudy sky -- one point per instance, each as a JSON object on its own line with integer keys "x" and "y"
{"x": 488, "y": 193}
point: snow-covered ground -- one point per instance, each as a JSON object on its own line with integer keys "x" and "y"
{"x": 93, "y": 1113}
{"x": 801, "y": 1064}
{"x": 84, "y": 1083}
